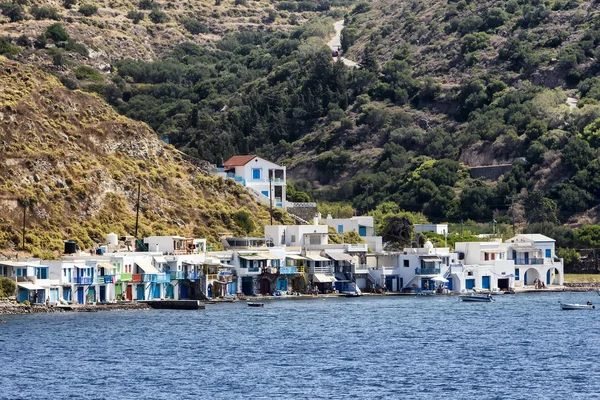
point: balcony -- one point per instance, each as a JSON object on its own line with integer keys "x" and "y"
{"x": 83, "y": 280}
{"x": 192, "y": 276}
{"x": 177, "y": 275}
{"x": 108, "y": 278}
{"x": 99, "y": 279}
{"x": 288, "y": 270}
{"x": 212, "y": 277}
{"x": 529, "y": 261}
{"x": 321, "y": 269}
{"x": 149, "y": 277}
{"x": 427, "y": 271}
{"x": 136, "y": 278}
{"x": 124, "y": 277}
{"x": 163, "y": 278}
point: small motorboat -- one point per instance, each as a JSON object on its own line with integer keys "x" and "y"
{"x": 256, "y": 304}
{"x": 476, "y": 297}
{"x": 565, "y": 306}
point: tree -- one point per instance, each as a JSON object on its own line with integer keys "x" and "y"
{"x": 591, "y": 134}
{"x": 12, "y": 11}
{"x": 244, "y": 220}
{"x": 588, "y": 236}
{"x": 88, "y": 9}
{"x": 157, "y": 16}
{"x": 475, "y": 201}
{"x": 539, "y": 209}
{"x": 397, "y": 231}
{"x": 8, "y": 287}
{"x": 577, "y": 154}
{"x": 536, "y": 129}
{"x": 57, "y": 33}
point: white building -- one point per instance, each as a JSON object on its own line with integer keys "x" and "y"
{"x": 264, "y": 179}
{"x": 297, "y": 235}
{"x": 175, "y": 245}
{"x": 364, "y": 226}
{"x": 440, "y": 229}
{"x": 534, "y": 257}
{"x": 33, "y": 280}
{"x": 483, "y": 266}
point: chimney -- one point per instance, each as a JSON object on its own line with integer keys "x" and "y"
{"x": 329, "y": 216}
{"x": 316, "y": 220}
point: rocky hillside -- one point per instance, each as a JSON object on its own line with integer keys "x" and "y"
{"x": 74, "y": 164}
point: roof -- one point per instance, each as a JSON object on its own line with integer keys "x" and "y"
{"x": 146, "y": 266}
{"x": 534, "y": 237}
{"x": 106, "y": 266}
{"x": 340, "y": 256}
{"x": 238, "y": 161}
{"x": 29, "y": 286}
{"x": 254, "y": 257}
{"x": 323, "y": 278}
{"x": 316, "y": 258}
{"x": 159, "y": 259}
{"x": 430, "y": 258}
{"x": 294, "y": 257}
{"x": 13, "y": 264}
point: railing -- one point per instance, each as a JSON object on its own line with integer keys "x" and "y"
{"x": 361, "y": 269}
{"x": 177, "y": 275}
{"x": 212, "y": 277}
{"x": 301, "y": 270}
{"x": 163, "y": 278}
{"x": 529, "y": 261}
{"x": 142, "y": 246}
{"x": 180, "y": 252}
{"x": 456, "y": 269}
{"x": 324, "y": 269}
{"x": 83, "y": 280}
{"x": 288, "y": 270}
{"x": 427, "y": 271}
{"x": 108, "y": 278}
{"x": 192, "y": 276}
{"x": 302, "y": 205}
{"x": 99, "y": 279}
{"x": 148, "y": 277}
{"x": 356, "y": 247}
{"x": 124, "y": 277}
{"x": 253, "y": 269}
{"x": 136, "y": 278}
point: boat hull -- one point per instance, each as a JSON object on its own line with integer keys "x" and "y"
{"x": 476, "y": 299}
{"x": 255, "y": 304}
{"x": 577, "y": 306}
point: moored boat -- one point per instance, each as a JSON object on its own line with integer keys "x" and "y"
{"x": 255, "y": 304}
{"x": 476, "y": 297}
{"x": 566, "y": 306}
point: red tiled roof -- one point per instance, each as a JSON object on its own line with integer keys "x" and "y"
{"x": 238, "y": 161}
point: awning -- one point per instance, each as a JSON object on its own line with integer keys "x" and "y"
{"x": 160, "y": 259}
{"x": 295, "y": 257}
{"x": 323, "y": 278}
{"x": 146, "y": 266}
{"x": 253, "y": 257}
{"x": 340, "y": 256}
{"x": 13, "y": 264}
{"x": 79, "y": 264}
{"x": 317, "y": 258}
{"x": 213, "y": 262}
{"x": 430, "y": 259}
{"x": 30, "y": 286}
{"x": 106, "y": 266}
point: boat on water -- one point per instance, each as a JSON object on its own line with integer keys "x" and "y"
{"x": 565, "y": 306}
{"x": 255, "y": 304}
{"x": 476, "y": 297}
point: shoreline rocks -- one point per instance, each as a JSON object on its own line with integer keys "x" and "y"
{"x": 15, "y": 309}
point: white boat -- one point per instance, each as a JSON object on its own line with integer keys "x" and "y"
{"x": 476, "y": 297}
{"x": 565, "y": 306}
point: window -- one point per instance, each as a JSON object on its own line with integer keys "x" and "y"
{"x": 493, "y": 256}
{"x": 265, "y": 192}
{"x": 516, "y": 274}
{"x": 315, "y": 239}
{"x": 548, "y": 253}
{"x": 255, "y": 173}
{"x": 486, "y": 256}
{"x": 406, "y": 263}
{"x": 293, "y": 238}
{"x": 340, "y": 228}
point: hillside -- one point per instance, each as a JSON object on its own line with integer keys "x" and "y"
{"x": 75, "y": 164}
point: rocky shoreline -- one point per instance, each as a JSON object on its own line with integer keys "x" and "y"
{"x": 14, "y": 308}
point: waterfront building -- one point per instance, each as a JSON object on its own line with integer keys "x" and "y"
{"x": 535, "y": 258}
{"x": 364, "y": 226}
{"x": 483, "y": 266}
{"x": 32, "y": 279}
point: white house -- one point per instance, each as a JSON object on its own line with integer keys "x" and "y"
{"x": 297, "y": 235}
{"x": 535, "y": 258}
{"x": 264, "y": 179}
{"x": 364, "y": 226}
{"x": 32, "y": 279}
{"x": 440, "y": 229}
{"x": 175, "y": 245}
{"x": 483, "y": 265}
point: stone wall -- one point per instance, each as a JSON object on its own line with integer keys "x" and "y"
{"x": 306, "y": 213}
{"x": 490, "y": 172}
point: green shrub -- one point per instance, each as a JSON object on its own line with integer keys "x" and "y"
{"x": 8, "y": 287}
{"x": 146, "y": 4}
{"x": 157, "y": 16}
{"x": 84, "y": 72}
{"x": 13, "y": 12}
{"x": 68, "y": 4}
{"x": 40, "y": 13}
{"x": 136, "y": 16}
{"x": 244, "y": 220}
{"x": 57, "y": 33}
{"x": 7, "y": 48}
{"x": 75, "y": 47}
{"x": 88, "y": 9}
{"x": 194, "y": 26}
{"x": 474, "y": 41}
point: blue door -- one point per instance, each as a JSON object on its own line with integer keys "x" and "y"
{"x": 183, "y": 292}
{"x": 525, "y": 278}
{"x": 282, "y": 284}
{"x": 54, "y": 295}
{"x": 103, "y": 294}
{"x": 247, "y": 286}
{"x": 209, "y": 291}
{"x": 140, "y": 292}
{"x": 169, "y": 294}
{"x": 362, "y": 231}
{"x": 470, "y": 284}
{"x": 449, "y": 284}
{"x": 80, "y": 295}
{"x": 23, "y": 295}
{"x": 485, "y": 282}
{"x": 548, "y": 277}
{"x": 67, "y": 294}
{"x": 155, "y": 291}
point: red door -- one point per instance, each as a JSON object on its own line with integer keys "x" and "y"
{"x": 128, "y": 293}
{"x": 265, "y": 286}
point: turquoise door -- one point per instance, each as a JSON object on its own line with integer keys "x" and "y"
{"x": 525, "y": 278}
{"x": 155, "y": 291}
{"x": 140, "y": 292}
{"x": 449, "y": 284}
{"x": 282, "y": 284}
{"x": 548, "y": 277}
{"x": 470, "y": 284}
{"x": 23, "y": 295}
{"x": 54, "y": 295}
{"x": 362, "y": 231}
{"x": 67, "y": 294}
{"x": 485, "y": 282}
{"x": 169, "y": 294}
{"x": 103, "y": 294}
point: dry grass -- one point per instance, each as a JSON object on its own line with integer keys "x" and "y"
{"x": 582, "y": 278}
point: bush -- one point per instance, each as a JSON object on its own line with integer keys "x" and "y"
{"x": 157, "y": 16}
{"x": 77, "y": 48}
{"x": 146, "y": 4}
{"x": 57, "y": 33}
{"x": 474, "y": 41}
{"x": 68, "y": 4}
{"x": 194, "y": 26}
{"x": 45, "y": 13}
{"x": 12, "y": 11}
{"x": 88, "y": 9}
{"x": 7, "y": 48}
{"x": 84, "y": 72}
{"x": 8, "y": 287}
{"x": 136, "y": 16}
{"x": 244, "y": 221}
{"x": 40, "y": 42}
{"x": 241, "y": 2}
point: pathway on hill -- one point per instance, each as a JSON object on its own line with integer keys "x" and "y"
{"x": 335, "y": 44}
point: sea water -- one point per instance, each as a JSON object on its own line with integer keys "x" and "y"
{"x": 520, "y": 346}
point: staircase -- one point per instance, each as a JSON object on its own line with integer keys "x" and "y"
{"x": 298, "y": 219}
{"x": 141, "y": 245}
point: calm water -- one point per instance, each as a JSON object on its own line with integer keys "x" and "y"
{"x": 521, "y": 346}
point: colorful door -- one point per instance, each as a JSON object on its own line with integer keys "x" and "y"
{"x": 548, "y": 277}
{"x": 485, "y": 282}
{"x": 247, "y": 286}
{"x": 80, "y": 295}
{"x": 362, "y": 231}
{"x": 128, "y": 293}
{"x": 103, "y": 294}
{"x": 139, "y": 295}
{"x": 210, "y": 291}
{"x": 282, "y": 284}
{"x": 23, "y": 295}
{"x": 525, "y": 278}
{"x": 54, "y": 295}
{"x": 169, "y": 294}
{"x": 91, "y": 295}
{"x": 449, "y": 283}
{"x": 470, "y": 284}
{"x": 67, "y": 295}
{"x": 183, "y": 292}
{"x": 265, "y": 286}
{"x": 155, "y": 291}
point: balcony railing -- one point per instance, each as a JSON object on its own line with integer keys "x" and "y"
{"x": 529, "y": 261}
{"x": 427, "y": 271}
{"x": 136, "y": 278}
{"x": 177, "y": 275}
{"x": 212, "y": 277}
{"x": 124, "y": 277}
{"x": 163, "y": 278}
{"x": 108, "y": 278}
{"x": 83, "y": 280}
{"x": 149, "y": 277}
{"x": 288, "y": 270}
{"x": 322, "y": 269}
{"x": 192, "y": 276}
{"x": 99, "y": 279}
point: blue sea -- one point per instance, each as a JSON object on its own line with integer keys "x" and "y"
{"x": 521, "y": 346}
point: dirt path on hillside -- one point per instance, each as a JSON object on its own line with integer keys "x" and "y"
{"x": 335, "y": 44}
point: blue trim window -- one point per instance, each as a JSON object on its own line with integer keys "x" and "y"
{"x": 517, "y": 274}
{"x": 255, "y": 173}
{"x": 265, "y": 192}
{"x": 340, "y": 228}
{"x": 548, "y": 253}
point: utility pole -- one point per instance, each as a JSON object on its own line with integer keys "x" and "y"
{"x": 461, "y": 229}
{"x": 271, "y": 193}
{"x": 137, "y": 210}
